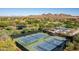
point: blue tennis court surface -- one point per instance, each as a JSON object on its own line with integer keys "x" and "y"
{"x": 55, "y": 40}
{"x": 29, "y": 39}
{"x": 40, "y": 42}
{"x": 39, "y": 35}
{"x": 46, "y": 46}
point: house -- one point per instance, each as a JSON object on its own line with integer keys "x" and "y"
{"x": 63, "y": 32}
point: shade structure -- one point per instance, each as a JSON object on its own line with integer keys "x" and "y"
{"x": 40, "y": 42}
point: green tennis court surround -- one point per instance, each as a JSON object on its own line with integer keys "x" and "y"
{"x": 41, "y": 42}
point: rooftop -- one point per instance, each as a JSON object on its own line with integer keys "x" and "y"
{"x": 63, "y": 31}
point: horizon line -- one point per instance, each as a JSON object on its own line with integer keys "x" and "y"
{"x": 34, "y": 14}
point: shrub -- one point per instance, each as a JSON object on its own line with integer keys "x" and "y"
{"x": 76, "y": 38}
{"x": 70, "y": 46}
{"x": 8, "y": 45}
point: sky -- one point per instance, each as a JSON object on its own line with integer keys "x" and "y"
{"x": 37, "y": 11}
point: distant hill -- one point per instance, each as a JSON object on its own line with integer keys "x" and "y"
{"x": 54, "y": 17}
{"x": 49, "y": 16}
